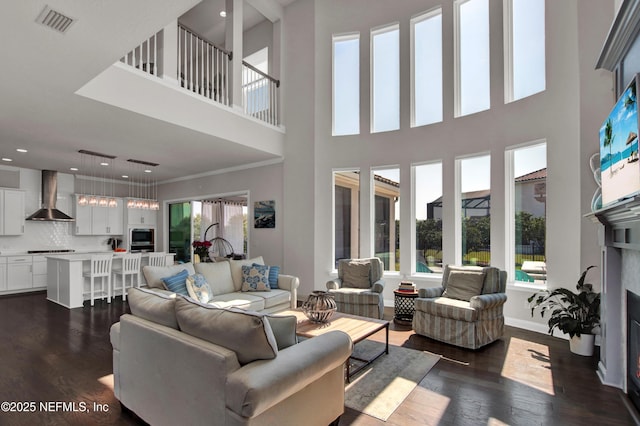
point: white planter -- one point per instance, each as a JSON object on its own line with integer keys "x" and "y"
{"x": 582, "y": 345}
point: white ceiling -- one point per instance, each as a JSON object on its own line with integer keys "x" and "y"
{"x": 41, "y": 70}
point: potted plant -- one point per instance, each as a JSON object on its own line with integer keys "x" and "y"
{"x": 201, "y": 250}
{"x": 575, "y": 314}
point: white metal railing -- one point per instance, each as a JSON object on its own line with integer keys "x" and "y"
{"x": 146, "y": 56}
{"x": 260, "y": 94}
{"x": 202, "y": 67}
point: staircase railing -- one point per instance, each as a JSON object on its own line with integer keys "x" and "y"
{"x": 202, "y": 67}
{"x": 260, "y": 94}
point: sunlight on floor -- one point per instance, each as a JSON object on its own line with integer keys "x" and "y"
{"x": 433, "y": 410}
{"x": 495, "y": 422}
{"x": 107, "y": 381}
{"x": 528, "y": 363}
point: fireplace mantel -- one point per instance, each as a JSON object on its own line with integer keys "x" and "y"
{"x": 619, "y": 231}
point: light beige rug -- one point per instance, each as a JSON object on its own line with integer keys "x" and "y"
{"x": 381, "y": 387}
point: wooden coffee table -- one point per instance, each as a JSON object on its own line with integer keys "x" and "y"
{"x": 358, "y": 328}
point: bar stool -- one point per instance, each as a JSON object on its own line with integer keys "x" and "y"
{"x": 158, "y": 258}
{"x": 130, "y": 267}
{"x": 100, "y": 268}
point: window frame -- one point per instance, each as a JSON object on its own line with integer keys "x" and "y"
{"x": 354, "y": 233}
{"x": 415, "y": 20}
{"x": 373, "y": 33}
{"x": 336, "y": 38}
{"x": 372, "y": 210}
{"x": 457, "y": 65}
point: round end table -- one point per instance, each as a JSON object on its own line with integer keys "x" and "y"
{"x": 404, "y": 306}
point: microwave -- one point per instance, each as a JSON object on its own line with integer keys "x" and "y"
{"x": 141, "y": 240}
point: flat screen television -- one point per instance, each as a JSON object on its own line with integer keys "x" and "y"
{"x": 619, "y": 165}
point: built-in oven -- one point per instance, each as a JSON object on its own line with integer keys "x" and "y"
{"x": 142, "y": 240}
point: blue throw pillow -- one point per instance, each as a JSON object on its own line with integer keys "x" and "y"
{"x": 177, "y": 283}
{"x": 274, "y": 272}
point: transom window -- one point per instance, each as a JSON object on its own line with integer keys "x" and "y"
{"x": 346, "y": 85}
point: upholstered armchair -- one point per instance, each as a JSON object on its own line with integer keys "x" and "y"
{"x": 358, "y": 288}
{"x": 466, "y": 310}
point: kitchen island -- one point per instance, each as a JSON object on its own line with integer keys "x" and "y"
{"x": 66, "y": 285}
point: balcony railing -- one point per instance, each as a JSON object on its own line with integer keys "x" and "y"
{"x": 146, "y": 56}
{"x": 260, "y": 94}
{"x": 202, "y": 67}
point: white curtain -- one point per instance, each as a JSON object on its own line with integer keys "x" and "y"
{"x": 229, "y": 217}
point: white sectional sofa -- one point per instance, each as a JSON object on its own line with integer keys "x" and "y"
{"x": 179, "y": 362}
{"x": 225, "y": 280}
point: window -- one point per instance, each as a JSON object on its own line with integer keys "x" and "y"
{"x": 426, "y": 68}
{"x": 179, "y": 231}
{"x": 474, "y": 201}
{"x": 472, "y": 56}
{"x": 526, "y": 170}
{"x": 346, "y": 200}
{"x": 386, "y": 222}
{"x": 346, "y": 85}
{"x": 524, "y": 48}
{"x": 427, "y": 195}
{"x": 385, "y": 79}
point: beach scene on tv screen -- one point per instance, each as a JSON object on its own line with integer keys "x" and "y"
{"x": 619, "y": 166}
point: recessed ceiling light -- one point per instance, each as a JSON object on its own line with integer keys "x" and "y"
{"x": 6, "y": 159}
{"x": 147, "y": 171}
{"x": 125, "y": 176}
{"x": 73, "y": 169}
{"x": 104, "y": 163}
{"x": 223, "y": 13}
{"x": 21, "y": 150}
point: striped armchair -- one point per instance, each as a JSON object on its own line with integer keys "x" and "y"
{"x": 358, "y": 288}
{"x": 467, "y": 310}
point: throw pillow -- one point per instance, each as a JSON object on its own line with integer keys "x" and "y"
{"x": 248, "y": 334}
{"x": 356, "y": 275}
{"x": 255, "y": 278}
{"x": 153, "y": 275}
{"x": 274, "y": 273}
{"x": 464, "y": 284}
{"x": 177, "y": 283}
{"x": 152, "y": 306}
{"x": 236, "y": 269}
{"x": 199, "y": 288}
{"x": 284, "y": 330}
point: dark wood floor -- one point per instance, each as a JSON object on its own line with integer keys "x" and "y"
{"x": 51, "y": 354}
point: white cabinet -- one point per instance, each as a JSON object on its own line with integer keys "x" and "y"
{"x": 96, "y": 220}
{"x": 145, "y": 217}
{"x": 39, "y": 278}
{"x": 13, "y": 213}
{"x": 3, "y": 273}
{"x": 19, "y": 272}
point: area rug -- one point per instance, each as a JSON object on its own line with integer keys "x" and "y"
{"x": 381, "y": 387}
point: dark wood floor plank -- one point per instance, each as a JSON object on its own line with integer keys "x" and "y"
{"x": 51, "y": 354}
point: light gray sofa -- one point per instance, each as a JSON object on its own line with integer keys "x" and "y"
{"x": 225, "y": 279}
{"x": 176, "y": 361}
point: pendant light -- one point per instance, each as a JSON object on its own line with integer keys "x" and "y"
{"x": 83, "y": 200}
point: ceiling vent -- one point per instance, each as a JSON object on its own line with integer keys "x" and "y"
{"x": 54, "y": 20}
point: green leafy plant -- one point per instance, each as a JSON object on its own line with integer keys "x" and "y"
{"x": 571, "y": 313}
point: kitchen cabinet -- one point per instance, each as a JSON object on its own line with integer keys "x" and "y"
{"x": 3, "y": 273}
{"x": 19, "y": 272}
{"x": 141, "y": 217}
{"x": 39, "y": 277}
{"x": 13, "y": 213}
{"x": 97, "y": 220}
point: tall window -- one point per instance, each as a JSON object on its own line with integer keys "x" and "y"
{"x": 179, "y": 230}
{"x": 386, "y": 235}
{"x": 524, "y": 48}
{"x": 472, "y": 56}
{"x": 474, "y": 198}
{"x": 346, "y": 85}
{"x": 426, "y": 68}
{"x": 428, "y": 217}
{"x": 346, "y": 202}
{"x": 385, "y": 79}
{"x": 527, "y": 208}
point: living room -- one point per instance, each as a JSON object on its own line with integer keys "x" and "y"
{"x": 566, "y": 115}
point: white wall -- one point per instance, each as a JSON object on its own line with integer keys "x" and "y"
{"x": 565, "y": 115}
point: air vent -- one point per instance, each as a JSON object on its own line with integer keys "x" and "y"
{"x": 54, "y": 20}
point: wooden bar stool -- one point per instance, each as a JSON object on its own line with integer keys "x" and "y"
{"x": 130, "y": 268}
{"x": 100, "y": 269}
{"x": 158, "y": 258}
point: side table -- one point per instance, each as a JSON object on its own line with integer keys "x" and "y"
{"x": 404, "y": 306}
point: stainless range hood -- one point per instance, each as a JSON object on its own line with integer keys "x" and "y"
{"x": 48, "y": 212}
